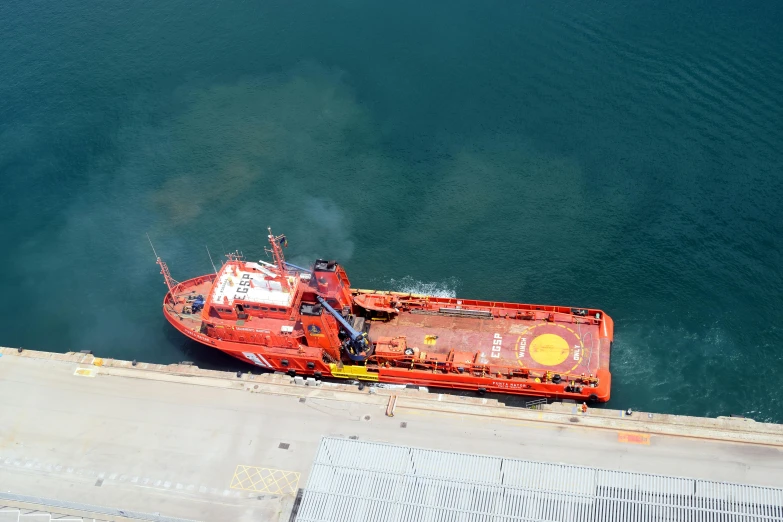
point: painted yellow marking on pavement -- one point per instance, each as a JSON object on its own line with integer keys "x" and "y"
{"x": 633, "y": 438}
{"x": 85, "y": 372}
{"x": 265, "y": 480}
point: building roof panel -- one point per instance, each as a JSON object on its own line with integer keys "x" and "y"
{"x": 359, "y": 480}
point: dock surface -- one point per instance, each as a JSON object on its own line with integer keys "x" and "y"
{"x": 204, "y": 445}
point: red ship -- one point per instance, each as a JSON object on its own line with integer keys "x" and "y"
{"x": 310, "y": 322}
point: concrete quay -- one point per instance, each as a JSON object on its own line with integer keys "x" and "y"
{"x": 183, "y": 442}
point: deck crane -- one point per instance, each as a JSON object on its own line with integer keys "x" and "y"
{"x": 356, "y": 345}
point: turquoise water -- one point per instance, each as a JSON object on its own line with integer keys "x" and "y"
{"x": 621, "y": 155}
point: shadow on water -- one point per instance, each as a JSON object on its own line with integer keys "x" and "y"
{"x": 204, "y": 356}
{"x": 511, "y": 401}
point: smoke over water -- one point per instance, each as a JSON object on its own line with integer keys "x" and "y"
{"x": 283, "y": 150}
{"x": 324, "y": 231}
{"x": 203, "y": 164}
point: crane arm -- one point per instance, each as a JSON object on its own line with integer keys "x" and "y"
{"x": 358, "y": 345}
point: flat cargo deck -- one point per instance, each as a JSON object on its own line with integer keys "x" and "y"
{"x": 563, "y": 348}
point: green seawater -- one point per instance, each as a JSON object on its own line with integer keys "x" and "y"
{"x": 620, "y": 155}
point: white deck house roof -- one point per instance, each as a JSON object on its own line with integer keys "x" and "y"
{"x": 251, "y": 286}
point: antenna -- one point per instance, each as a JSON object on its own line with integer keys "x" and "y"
{"x": 210, "y": 259}
{"x": 170, "y": 282}
{"x": 153, "y": 247}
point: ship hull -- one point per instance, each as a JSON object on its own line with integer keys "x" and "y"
{"x": 503, "y": 346}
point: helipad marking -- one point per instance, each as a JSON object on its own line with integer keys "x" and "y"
{"x": 549, "y": 349}
{"x": 85, "y": 372}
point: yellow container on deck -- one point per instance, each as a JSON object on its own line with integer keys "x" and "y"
{"x": 353, "y": 372}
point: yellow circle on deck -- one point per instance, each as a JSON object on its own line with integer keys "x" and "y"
{"x": 549, "y": 349}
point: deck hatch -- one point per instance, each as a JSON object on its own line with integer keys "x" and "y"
{"x": 483, "y": 314}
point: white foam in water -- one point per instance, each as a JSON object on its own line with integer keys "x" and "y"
{"x": 407, "y": 284}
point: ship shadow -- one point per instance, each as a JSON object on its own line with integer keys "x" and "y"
{"x": 510, "y": 401}
{"x": 210, "y": 358}
{"x": 205, "y": 356}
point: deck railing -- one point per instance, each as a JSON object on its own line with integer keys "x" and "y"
{"x": 536, "y": 404}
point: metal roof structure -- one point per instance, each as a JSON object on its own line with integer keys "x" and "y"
{"x": 361, "y": 481}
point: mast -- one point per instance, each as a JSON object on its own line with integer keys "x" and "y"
{"x": 277, "y": 253}
{"x": 171, "y": 283}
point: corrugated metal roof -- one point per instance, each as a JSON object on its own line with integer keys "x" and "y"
{"x": 358, "y": 481}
